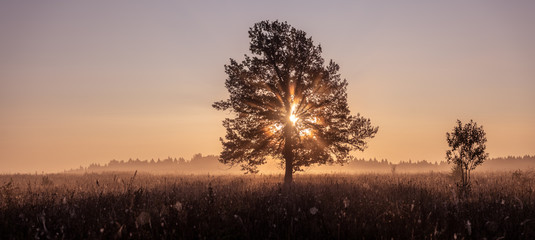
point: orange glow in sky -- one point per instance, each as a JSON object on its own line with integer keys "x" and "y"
{"x": 85, "y": 82}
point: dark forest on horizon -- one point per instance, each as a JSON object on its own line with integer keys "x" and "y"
{"x": 200, "y": 164}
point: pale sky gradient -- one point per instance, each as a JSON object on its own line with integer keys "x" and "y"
{"x": 89, "y": 81}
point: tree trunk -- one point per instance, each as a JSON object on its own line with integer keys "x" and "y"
{"x": 288, "y": 175}
{"x": 288, "y": 155}
{"x": 463, "y": 179}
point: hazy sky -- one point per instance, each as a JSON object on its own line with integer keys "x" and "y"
{"x": 89, "y": 81}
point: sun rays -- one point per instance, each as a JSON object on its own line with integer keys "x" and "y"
{"x": 300, "y": 122}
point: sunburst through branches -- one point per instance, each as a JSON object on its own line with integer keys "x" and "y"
{"x": 300, "y": 121}
{"x": 289, "y": 104}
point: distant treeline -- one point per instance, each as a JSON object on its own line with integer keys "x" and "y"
{"x": 197, "y": 164}
{"x": 200, "y": 164}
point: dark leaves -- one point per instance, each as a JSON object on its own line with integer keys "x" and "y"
{"x": 284, "y": 93}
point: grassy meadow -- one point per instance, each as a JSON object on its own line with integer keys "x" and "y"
{"x": 335, "y": 206}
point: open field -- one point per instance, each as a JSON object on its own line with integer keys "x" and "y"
{"x": 369, "y": 206}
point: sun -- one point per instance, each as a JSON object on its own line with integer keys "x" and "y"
{"x": 299, "y": 124}
{"x": 293, "y": 117}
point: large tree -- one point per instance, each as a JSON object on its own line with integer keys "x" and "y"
{"x": 467, "y": 144}
{"x": 288, "y": 104}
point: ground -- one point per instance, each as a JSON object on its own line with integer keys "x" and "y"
{"x": 332, "y": 206}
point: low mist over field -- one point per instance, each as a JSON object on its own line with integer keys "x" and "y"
{"x": 199, "y": 164}
{"x": 304, "y": 119}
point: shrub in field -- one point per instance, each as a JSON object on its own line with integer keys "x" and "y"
{"x": 467, "y": 150}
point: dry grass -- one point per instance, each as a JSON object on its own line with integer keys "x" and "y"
{"x": 420, "y": 206}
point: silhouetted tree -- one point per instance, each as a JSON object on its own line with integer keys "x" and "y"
{"x": 288, "y": 104}
{"x": 468, "y": 150}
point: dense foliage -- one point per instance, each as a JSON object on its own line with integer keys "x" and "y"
{"x": 421, "y": 206}
{"x": 288, "y": 104}
{"x": 467, "y": 144}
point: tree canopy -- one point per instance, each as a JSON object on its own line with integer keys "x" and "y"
{"x": 467, "y": 144}
{"x": 288, "y": 104}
